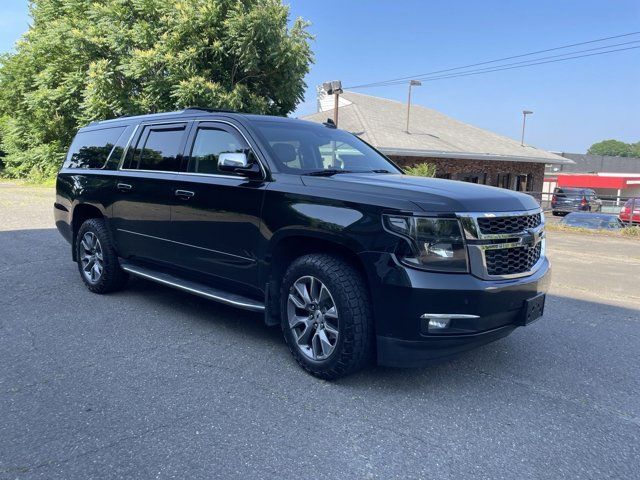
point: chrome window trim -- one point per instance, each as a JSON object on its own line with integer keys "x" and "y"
{"x": 478, "y": 243}
{"x": 126, "y": 148}
{"x": 196, "y": 120}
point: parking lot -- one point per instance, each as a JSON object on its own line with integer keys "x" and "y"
{"x": 154, "y": 383}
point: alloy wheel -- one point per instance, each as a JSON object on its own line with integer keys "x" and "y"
{"x": 313, "y": 318}
{"x": 91, "y": 257}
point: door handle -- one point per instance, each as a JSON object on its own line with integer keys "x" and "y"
{"x": 184, "y": 194}
{"x": 124, "y": 187}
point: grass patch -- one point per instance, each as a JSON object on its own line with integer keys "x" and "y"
{"x": 44, "y": 182}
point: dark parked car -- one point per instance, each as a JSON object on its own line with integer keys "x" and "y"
{"x": 309, "y": 225}
{"x": 625, "y": 212}
{"x": 592, "y": 221}
{"x": 567, "y": 200}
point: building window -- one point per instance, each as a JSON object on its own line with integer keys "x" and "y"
{"x": 504, "y": 180}
{"x": 524, "y": 182}
{"x": 474, "y": 178}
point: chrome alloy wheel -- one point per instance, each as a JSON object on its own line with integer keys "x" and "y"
{"x": 91, "y": 257}
{"x": 313, "y": 318}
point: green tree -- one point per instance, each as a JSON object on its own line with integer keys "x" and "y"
{"x": 615, "y": 148}
{"x": 83, "y": 60}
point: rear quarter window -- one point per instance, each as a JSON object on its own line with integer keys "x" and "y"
{"x": 91, "y": 149}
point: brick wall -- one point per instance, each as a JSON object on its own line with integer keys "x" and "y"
{"x": 457, "y": 169}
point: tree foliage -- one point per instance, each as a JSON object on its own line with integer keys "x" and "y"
{"x": 83, "y": 60}
{"x": 615, "y": 148}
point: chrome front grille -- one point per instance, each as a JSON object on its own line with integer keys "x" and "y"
{"x": 504, "y": 245}
{"x": 514, "y": 224}
{"x": 509, "y": 261}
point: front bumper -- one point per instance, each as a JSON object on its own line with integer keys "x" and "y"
{"x": 401, "y": 295}
{"x": 394, "y": 352}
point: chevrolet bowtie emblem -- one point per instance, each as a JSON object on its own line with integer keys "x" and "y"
{"x": 530, "y": 238}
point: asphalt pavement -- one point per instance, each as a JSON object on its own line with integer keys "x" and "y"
{"x": 155, "y": 383}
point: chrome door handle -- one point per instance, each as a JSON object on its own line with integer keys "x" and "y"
{"x": 184, "y": 194}
{"x": 124, "y": 186}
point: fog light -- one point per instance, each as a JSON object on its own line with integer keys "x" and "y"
{"x": 438, "y": 323}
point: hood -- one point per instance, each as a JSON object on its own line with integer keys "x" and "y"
{"x": 429, "y": 194}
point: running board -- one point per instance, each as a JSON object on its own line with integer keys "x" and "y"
{"x": 196, "y": 288}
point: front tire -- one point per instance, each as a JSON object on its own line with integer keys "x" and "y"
{"x": 97, "y": 258}
{"x": 326, "y": 316}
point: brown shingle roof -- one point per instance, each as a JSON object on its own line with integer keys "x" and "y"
{"x": 382, "y": 123}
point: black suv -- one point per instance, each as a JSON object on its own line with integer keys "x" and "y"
{"x": 310, "y": 225}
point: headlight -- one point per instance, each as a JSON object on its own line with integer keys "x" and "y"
{"x": 434, "y": 243}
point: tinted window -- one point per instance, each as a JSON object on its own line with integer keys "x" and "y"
{"x": 160, "y": 149}
{"x": 566, "y": 192}
{"x": 207, "y": 147}
{"x": 91, "y": 149}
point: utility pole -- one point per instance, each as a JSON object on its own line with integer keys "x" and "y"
{"x": 524, "y": 121}
{"x": 334, "y": 88}
{"x": 412, "y": 83}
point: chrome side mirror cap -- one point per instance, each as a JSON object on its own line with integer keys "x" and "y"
{"x": 233, "y": 161}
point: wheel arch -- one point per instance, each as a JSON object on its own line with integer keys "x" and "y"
{"x": 293, "y": 244}
{"x": 81, "y": 213}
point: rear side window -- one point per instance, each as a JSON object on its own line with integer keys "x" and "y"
{"x": 91, "y": 149}
{"x": 159, "y": 148}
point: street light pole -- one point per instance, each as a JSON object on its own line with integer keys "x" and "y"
{"x": 417, "y": 83}
{"x": 334, "y": 88}
{"x": 524, "y": 121}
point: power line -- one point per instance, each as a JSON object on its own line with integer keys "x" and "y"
{"x": 399, "y": 79}
{"x": 498, "y": 69}
{"x": 522, "y": 64}
{"x": 398, "y": 82}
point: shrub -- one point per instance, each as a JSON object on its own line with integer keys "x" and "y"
{"x": 421, "y": 170}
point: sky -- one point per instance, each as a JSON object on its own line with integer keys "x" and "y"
{"x": 575, "y": 103}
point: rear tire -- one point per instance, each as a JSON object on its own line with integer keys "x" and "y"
{"x": 97, "y": 258}
{"x": 326, "y": 316}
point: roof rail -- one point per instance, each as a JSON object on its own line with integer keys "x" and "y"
{"x": 211, "y": 110}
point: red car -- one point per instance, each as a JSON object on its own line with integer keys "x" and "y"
{"x": 625, "y": 213}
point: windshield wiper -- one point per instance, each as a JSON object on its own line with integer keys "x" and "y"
{"x": 380, "y": 170}
{"x": 327, "y": 173}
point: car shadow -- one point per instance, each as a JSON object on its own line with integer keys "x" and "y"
{"x": 555, "y": 343}
{"x": 561, "y": 345}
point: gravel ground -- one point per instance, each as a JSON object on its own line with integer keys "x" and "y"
{"x": 154, "y": 383}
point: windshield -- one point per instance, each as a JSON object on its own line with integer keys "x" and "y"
{"x": 298, "y": 148}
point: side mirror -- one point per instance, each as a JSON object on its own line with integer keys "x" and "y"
{"x": 240, "y": 163}
{"x": 229, "y": 162}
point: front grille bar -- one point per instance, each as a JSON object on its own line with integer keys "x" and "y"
{"x": 488, "y": 232}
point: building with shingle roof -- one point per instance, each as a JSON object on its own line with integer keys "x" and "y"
{"x": 459, "y": 151}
